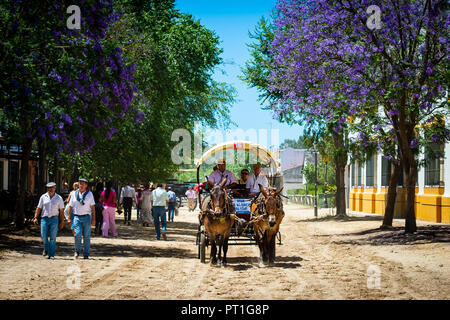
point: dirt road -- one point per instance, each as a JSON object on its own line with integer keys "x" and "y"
{"x": 319, "y": 259}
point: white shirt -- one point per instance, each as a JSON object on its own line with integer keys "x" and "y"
{"x": 128, "y": 192}
{"x": 217, "y": 177}
{"x": 78, "y": 208}
{"x": 50, "y": 206}
{"x": 252, "y": 183}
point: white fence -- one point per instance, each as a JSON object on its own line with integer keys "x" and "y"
{"x": 308, "y": 200}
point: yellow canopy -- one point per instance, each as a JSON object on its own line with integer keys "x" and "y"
{"x": 266, "y": 157}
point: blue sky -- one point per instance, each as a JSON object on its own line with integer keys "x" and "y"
{"x": 231, "y": 20}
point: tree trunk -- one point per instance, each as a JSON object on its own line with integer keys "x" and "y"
{"x": 391, "y": 196}
{"x": 23, "y": 180}
{"x": 42, "y": 166}
{"x": 340, "y": 161}
{"x": 410, "y": 214}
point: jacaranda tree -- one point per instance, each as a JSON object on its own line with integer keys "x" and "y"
{"x": 333, "y": 60}
{"x": 59, "y": 84}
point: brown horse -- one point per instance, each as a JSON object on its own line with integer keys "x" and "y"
{"x": 217, "y": 215}
{"x": 266, "y": 223}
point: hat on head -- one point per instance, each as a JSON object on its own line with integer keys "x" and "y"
{"x": 83, "y": 180}
{"x": 257, "y": 165}
{"x": 221, "y": 161}
{"x": 50, "y": 185}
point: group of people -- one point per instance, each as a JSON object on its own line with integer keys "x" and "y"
{"x": 246, "y": 186}
{"x": 86, "y": 209}
{"x": 97, "y": 208}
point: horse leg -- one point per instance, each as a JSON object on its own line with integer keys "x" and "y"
{"x": 220, "y": 242}
{"x": 213, "y": 259}
{"x": 272, "y": 250}
{"x": 261, "y": 252}
{"x": 225, "y": 249}
{"x": 266, "y": 248}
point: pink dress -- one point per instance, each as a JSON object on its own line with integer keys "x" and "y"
{"x": 109, "y": 214}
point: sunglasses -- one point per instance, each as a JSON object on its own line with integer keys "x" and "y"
{"x": 246, "y": 173}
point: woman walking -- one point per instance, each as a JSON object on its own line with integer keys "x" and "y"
{"x": 146, "y": 206}
{"x": 108, "y": 198}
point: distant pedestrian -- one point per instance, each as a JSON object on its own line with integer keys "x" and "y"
{"x": 171, "y": 204}
{"x": 98, "y": 208}
{"x": 50, "y": 206}
{"x": 66, "y": 210}
{"x": 138, "y": 203}
{"x": 159, "y": 199}
{"x": 127, "y": 199}
{"x": 82, "y": 204}
{"x": 191, "y": 198}
{"x": 108, "y": 199}
{"x": 146, "y": 206}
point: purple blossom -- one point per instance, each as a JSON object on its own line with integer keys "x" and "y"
{"x": 414, "y": 143}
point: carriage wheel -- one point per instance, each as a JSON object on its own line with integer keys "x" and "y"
{"x": 202, "y": 247}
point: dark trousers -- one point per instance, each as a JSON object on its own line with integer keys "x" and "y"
{"x": 171, "y": 211}
{"x": 98, "y": 219}
{"x": 127, "y": 204}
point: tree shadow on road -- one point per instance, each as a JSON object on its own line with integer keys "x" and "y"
{"x": 397, "y": 236}
{"x": 343, "y": 219}
{"x": 245, "y": 263}
{"x": 28, "y": 241}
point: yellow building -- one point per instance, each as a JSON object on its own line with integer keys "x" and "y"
{"x": 369, "y": 183}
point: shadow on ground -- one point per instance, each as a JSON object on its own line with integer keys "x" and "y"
{"x": 28, "y": 241}
{"x": 245, "y": 263}
{"x": 397, "y": 236}
{"x": 343, "y": 219}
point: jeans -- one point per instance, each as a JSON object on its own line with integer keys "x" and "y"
{"x": 49, "y": 228}
{"x": 159, "y": 212}
{"x": 171, "y": 211}
{"x": 82, "y": 226}
{"x": 138, "y": 210}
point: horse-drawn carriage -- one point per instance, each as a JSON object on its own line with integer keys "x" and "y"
{"x": 242, "y": 230}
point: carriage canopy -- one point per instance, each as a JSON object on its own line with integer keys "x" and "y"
{"x": 266, "y": 157}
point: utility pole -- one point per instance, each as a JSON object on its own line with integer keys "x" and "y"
{"x": 315, "y": 183}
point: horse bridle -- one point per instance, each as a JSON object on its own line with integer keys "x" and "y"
{"x": 211, "y": 206}
{"x": 262, "y": 206}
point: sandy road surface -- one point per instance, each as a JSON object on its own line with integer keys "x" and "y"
{"x": 319, "y": 259}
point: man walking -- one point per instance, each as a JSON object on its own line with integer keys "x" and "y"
{"x": 127, "y": 198}
{"x": 191, "y": 198}
{"x": 160, "y": 199}
{"x": 82, "y": 204}
{"x": 50, "y": 205}
{"x": 172, "y": 203}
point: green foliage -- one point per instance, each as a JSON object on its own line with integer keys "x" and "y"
{"x": 175, "y": 57}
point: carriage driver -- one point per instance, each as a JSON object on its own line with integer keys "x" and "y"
{"x": 218, "y": 175}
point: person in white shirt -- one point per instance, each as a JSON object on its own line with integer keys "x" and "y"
{"x": 50, "y": 206}
{"x": 82, "y": 204}
{"x": 218, "y": 175}
{"x": 255, "y": 179}
{"x": 127, "y": 198}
